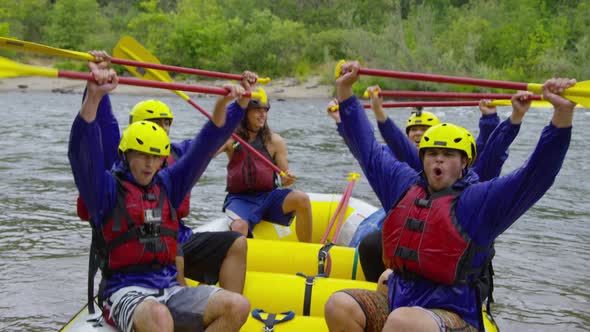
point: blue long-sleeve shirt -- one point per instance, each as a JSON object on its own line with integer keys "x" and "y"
{"x": 487, "y": 124}
{"x": 98, "y": 187}
{"x": 493, "y": 154}
{"x": 110, "y": 137}
{"x": 483, "y": 210}
{"x": 110, "y": 131}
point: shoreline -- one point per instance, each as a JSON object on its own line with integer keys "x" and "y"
{"x": 284, "y": 88}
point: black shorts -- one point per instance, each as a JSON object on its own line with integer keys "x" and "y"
{"x": 204, "y": 253}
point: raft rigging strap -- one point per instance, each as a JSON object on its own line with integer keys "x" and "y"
{"x": 324, "y": 263}
{"x": 309, "y": 282}
{"x": 271, "y": 321}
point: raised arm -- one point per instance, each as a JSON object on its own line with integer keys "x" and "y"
{"x": 403, "y": 149}
{"x": 388, "y": 177}
{"x": 182, "y": 176}
{"x": 495, "y": 205}
{"x": 85, "y": 150}
{"x": 110, "y": 134}
{"x": 487, "y": 123}
{"x": 488, "y": 164}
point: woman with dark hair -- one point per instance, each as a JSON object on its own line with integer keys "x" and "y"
{"x": 252, "y": 186}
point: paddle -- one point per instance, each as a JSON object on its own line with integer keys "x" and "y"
{"x": 497, "y": 102}
{"x": 20, "y": 45}
{"x": 136, "y": 51}
{"x": 457, "y": 103}
{"x": 340, "y": 209}
{"x": 443, "y": 95}
{"x": 9, "y": 68}
{"x": 352, "y": 179}
{"x": 579, "y": 93}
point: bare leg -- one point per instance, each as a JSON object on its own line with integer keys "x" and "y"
{"x": 344, "y": 314}
{"x": 407, "y": 319}
{"x": 240, "y": 226}
{"x": 226, "y": 312}
{"x": 152, "y": 316}
{"x": 299, "y": 202}
{"x": 233, "y": 268}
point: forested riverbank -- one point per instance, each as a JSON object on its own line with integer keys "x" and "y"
{"x": 526, "y": 40}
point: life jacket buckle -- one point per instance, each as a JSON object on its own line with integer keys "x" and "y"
{"x": 423, "y": 202}
{"x": 149, "y": 197}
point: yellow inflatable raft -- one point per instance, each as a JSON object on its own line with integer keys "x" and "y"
{"x": 274, "y": 259}
{"x": 292, "y": 257}
{"x": 273, "y": 293}
{"x": 323, "y": 207}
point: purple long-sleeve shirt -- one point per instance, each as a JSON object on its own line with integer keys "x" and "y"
{"x": 98, "y": 187}
{"x": 483, "y": 210}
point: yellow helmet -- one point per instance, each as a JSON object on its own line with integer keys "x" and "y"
{"x": 150, "y": 109}
{"x": 473, "y": 146}
{"x": 448, "y": 136}
{"x": 145, "y": 136}
{"x": 421, "y": 118}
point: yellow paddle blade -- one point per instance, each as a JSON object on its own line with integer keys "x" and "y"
{"x": 23, "y": 46}
{"x": 9, "y": 68}
{"x": 131, "y": 49}
{"x": 579, "y": 93}
{"x": 534, "y": 103}
{"x": 338, "y": 68}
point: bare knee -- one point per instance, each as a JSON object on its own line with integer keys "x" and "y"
{"x": 240, "y": 246}
{"x": 240, "y": 226}
{"x": 301, "y": 199}
{"x": 297, "y": 200}
{"x": 151, "y": 314}
{"x": 342, "y": 312}
{"x": 237, "y": 307}
{"x": 232, "y": 305}
{"x": 339, "y": 303}
{"x": 401, "y": 319}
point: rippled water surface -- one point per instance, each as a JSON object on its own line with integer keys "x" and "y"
{"x": 542, "y": 268}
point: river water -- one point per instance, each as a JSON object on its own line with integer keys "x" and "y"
{"x": 542, "y": 269}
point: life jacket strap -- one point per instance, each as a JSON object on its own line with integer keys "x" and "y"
{"x": 406, "y": 253}
{"x": 415, "y": 225}
{"x": 92, "y": 270}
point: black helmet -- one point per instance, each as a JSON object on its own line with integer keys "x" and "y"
{"x": 255, "y": 103}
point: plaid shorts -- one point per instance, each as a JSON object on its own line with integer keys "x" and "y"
{"x": 375, "y": 307}
{"x": 449, "y": 321}
{"x": 186, "y": 304}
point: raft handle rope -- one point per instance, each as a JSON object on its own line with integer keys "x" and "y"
{"x": 271, "y": 321}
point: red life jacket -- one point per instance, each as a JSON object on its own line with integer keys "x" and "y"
{"x": 82, "y": 209}
{"x": 181, "y": 212}
{"x": 422, "y": 237}
{"x": 247, "y": 172}
{"x": 141, "y": 232}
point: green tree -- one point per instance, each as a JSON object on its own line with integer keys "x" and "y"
{"x": 26, "y": 18}
{"x": 76, "y": 24}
